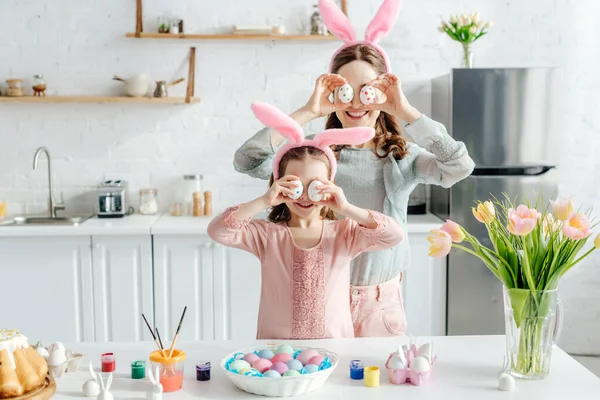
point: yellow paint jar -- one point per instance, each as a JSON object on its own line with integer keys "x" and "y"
{"x": 371, "y": 376}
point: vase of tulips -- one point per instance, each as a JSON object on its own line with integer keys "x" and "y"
{"x": 530, "y": 252}
{"x": 466, "y": 29}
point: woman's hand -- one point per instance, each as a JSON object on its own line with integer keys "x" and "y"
{"x": 394, "y": 102}
{"x": 279, "y": 191}
{"x": 333, "y": 197}
{"x": 319, "y": 105}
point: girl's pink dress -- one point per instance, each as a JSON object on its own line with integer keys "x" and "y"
{"x": 304, "y": 292}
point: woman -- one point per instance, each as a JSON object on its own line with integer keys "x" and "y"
{"x": 378, "y": 175}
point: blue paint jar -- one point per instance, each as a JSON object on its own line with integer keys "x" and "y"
{"x": 357, "y": 370}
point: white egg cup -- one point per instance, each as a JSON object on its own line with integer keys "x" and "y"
{"x": 415, "y": 373}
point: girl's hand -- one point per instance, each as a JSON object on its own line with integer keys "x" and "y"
{"x": 318, "y": 104}
{"x": 395, "y": 102}
{"x": 333, "y": 197}
{"x": 279, "y": 190}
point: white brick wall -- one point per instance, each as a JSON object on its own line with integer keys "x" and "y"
{"x": 80, "y": 45}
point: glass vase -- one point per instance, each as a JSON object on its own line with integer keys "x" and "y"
{"x": 467, "y": 55}
{"x": 533, "y": 323}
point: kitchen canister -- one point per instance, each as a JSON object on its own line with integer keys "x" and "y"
{"x": 191, "y": 184}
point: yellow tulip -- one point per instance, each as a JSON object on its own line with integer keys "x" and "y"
{"x": 485, "y": 212}
{"x": 563, "y": 208}
{"x": 441, "y": 243}
{"x": 454, "y": 230}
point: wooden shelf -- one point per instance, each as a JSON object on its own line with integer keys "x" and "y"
{"x": 96, "y": 99}
{"x": 230, "y": 36}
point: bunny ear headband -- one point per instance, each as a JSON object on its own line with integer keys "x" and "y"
{"x": 380, "y": 26}
{"x": 293, "y": 132}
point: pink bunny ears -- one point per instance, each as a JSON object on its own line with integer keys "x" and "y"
{"x": 381, "y": 25}
{"x": 293, "y": 132}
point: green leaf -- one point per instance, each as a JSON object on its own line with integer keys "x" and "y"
{"x": 518, "y": 300}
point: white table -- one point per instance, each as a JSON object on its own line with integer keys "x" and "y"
{"x": 466, "y": 369}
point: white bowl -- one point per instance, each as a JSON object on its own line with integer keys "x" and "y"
{"x": 286, "y": 385}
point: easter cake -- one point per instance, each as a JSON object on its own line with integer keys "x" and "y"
{"x": 279, "y": 370}
{"x": 22, "y": 368}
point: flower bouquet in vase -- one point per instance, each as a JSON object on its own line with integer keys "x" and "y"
{"x": 466, "y": 29}
{"x": 530, "y": 251}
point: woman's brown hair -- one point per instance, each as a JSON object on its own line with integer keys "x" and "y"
{"x": 388, "y": 136}
{"x": 282, "y": 213}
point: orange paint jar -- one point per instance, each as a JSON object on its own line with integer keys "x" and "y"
{"x": 169, "y": 369}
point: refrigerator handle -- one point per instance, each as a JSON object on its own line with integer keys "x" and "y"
{"x": 513, "y": 171}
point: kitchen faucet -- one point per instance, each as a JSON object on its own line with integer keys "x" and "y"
{"x": 52, "y": 206}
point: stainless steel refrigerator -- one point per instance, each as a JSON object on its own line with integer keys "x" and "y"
{"x": 508, "y": 119}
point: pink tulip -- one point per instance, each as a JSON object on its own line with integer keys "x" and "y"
{"x": 577, "y": 227}
{"x": 522, "y": 220}
{"x": 563, "y": 208}
{"x": 485, "y": 212}
{"x": 441, "y": 243}
{"x": 454, "y": 230}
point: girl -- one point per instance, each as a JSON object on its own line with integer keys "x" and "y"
{"x": 379, "y": 174}
{"x": 305, "y": 253}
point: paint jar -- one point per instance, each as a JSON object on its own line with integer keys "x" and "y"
{"x": 203, "y": 371}
{"x": 109, "y": 362}
{"x": 371, "y": 376}
{"x": 138, "y": 370}
{"x": 170, "y": 368}
{"x": 357, "y": 369}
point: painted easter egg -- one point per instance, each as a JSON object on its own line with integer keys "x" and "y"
{"x": 281, "y": 357}
{"x": 367, "y": 95}
{"x": 239, "y": 365}
{"x": 313, "y": 194}
{"x": 316, "y": 360}
{"x": 271, "y": 374}
{"x": 285, "y": 348}
{"x": 291, "y": 372}
{"x": 297, "y": 191}
{"x": 268, "y": 354}
{"x": 251, "y": 358}
{"x": 280, "y": 367}
{"x": 309, "y": 369}
{"x": 308, "y": 353}
{"x": 262, "y": 364}
{"x": 294, "y": 364}
{"x": 346, "y": 93}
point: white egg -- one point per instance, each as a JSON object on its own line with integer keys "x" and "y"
{"x": 313, "y": 194}
{"x": 367, "y": 95}
{"x": 56, "y": 346}
{"x": 57, "y": 357}
{"x": 42, "y": 352}
{"x": 91, "y": 388}
{"x": 346, "y": 93}
{"x": 396, "y": 362}
{"x": 297, "y": 190}
{"x": 506, "y": 383}
{"x": 420, "y": 364}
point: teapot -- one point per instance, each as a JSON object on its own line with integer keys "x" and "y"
{"x": 136, "y": 86}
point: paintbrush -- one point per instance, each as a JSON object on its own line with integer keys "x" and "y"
{"x": 159, "y": 339}
{"x": 177, "y": 333}
{"x": 154, "y": 336}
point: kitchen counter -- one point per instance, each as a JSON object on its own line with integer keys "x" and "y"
{"x": 161, "y": 225}
{"x": 466, "y": 369}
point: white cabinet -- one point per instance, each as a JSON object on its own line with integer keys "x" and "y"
{"x": 424, "y": 290}
{"x": 183, "y": 276}
{"x": 122, "y": 279}
{"x": 46, "y": 287}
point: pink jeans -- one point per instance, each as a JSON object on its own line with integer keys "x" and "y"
{"x": 378, "y": 310}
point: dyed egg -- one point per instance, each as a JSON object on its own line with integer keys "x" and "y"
{"x": 292, "y": 372}
{"x": 285, "y": 348}
{"x": 262, "y": 364}
{"x": 367, "y": 95}
{"x": 310, "y": 369}
{"x": 294, "y": 364}
{"x": 297, "y": 191}
{"x": 316, "y": 360}
{"x": 313, "y": 194}
{"x": 239, "y": 365}
{"x": 271, "y": 374}
{"x": 346, "y": 93}
{"x": 281, "y": 357}
{"x": 280, "y": 367}
{"x": 251, "y": 358}
{"x": 307, "y": 355}
{"x": 243, "y": 371}
{"x": 268, "y": 354}
{"x": 420, "y": 364}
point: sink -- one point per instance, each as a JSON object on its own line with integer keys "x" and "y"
{"x": 40, "y": 220}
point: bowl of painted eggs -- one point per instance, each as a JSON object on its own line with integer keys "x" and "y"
{"x": 279, "y": 371}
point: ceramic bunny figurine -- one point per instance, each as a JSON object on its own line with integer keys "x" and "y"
{"x": 156, "y": 393}
{"x": 91, "y": 388}
{"x": 105, "y": 394}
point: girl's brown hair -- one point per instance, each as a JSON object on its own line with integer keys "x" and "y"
{"x": 388, "y": 136}
{"x": 282, "y": 213}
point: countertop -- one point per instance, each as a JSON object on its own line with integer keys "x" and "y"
{"x": 164, "y": 224}
{"x": 466, "y": 369}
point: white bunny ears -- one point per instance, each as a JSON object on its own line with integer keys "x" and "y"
{"x": 292, "y": 131}
{"x": 380, "y": 25}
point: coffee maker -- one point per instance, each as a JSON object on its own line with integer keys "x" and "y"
{"x": 113, "y": 199}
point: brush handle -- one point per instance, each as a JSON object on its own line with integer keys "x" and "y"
{"x": 173, "y": 345}
{"x": 162, "y": 352}
{"x": 176, "y": 82}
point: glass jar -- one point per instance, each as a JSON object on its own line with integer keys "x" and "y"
{"x": 170, "y": 369}
{"x": 148, "y": 201}
{"x": 38, "y": 85}
{"x": 163, "y": 24}
{"x": 192, "y": 184}
{"x": 14, "y": 88}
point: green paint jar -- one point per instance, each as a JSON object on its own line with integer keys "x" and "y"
{"x": 138, "y": 370}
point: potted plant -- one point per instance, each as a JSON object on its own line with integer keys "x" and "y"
{"x": 530, "y": 252}
{"x": 466, "y": 29}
